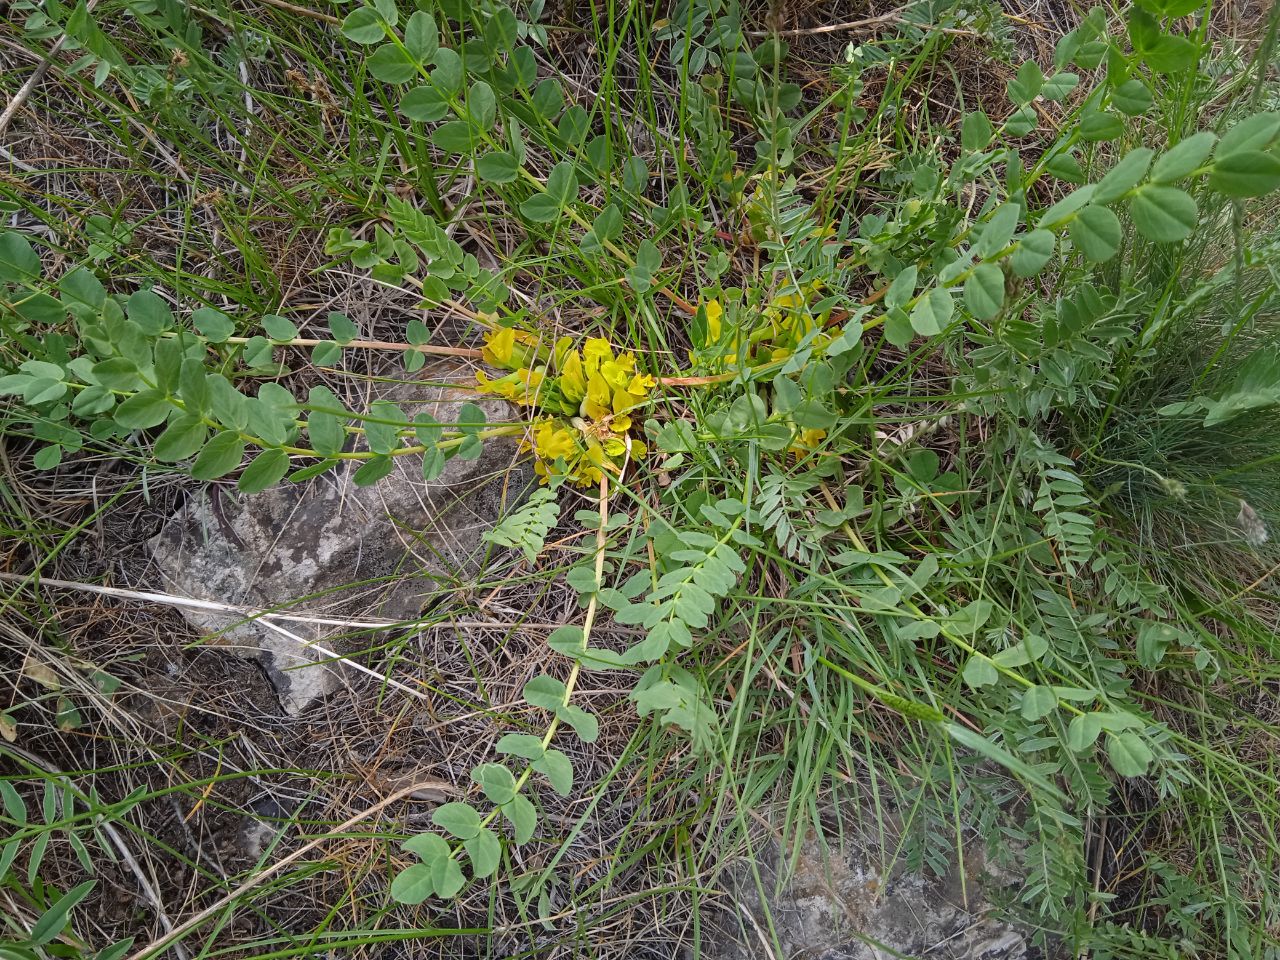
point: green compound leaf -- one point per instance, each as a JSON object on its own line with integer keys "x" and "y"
{"x": 1099, "y": 127}
{"x": 18, "y": 261}
{"x": 976, "y": 131}
{"x": 1066, "y": 167}
{"x": 143, "y": 410}
{"x": 980, "y": 672}
{"x": 998, "y": 231}
{"x": 149, "y": 311}
{"x": 326, "y": 431}
{"x": 558, "y": 770}
{"x": 522, "y": 816}
{"x": 497, "y": 167}
{"x": 1059, "y": 86}
{"x": 584, "y": 724}
{"x": 546, "y": 692}
{"x": 902, "y": 288}
{"x": 373, "y": 470}
{"x": 390, "y": 64}
{"x": 342, "y": 328}
{"x": 1124, "y": 176}
{"x": 279, "y": 329}
{"x": 1251, "y": 133}
{"x": 363, "y": 26}
{"x": 1038, "y": 702}
{"x": 1026, "y": 85}
{"x": 181, "y": 439}
{"x": 1083, "y": 731}
{"x": 428, "y": 847}
{"x": 425, "y": 104}
{"x": 421, "y": 37}
{"x": 524, "y": 745}
{"x": 1020, "y": 122}
{"x": 413, "y": 885}
{"x": 482, "y": 105}
{"x": 1132, "y": 97}
{"x": 214, "y": 324}
{"x": 1170, "y": 54}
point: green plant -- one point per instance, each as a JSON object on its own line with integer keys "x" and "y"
{"x": 858, "y": 443}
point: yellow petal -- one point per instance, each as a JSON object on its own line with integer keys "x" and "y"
{"x": 573, "y": 383}
{"x": 714, "y": 313}
{"x": 640, "y": 385}
{"x": 594, "y": 352}
{"x": 498, "y": 347}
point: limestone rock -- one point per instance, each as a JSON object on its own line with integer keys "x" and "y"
{"x": 329, "y": 547}
{"x": 839, "y": 907}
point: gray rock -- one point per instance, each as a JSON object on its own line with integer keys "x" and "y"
{"x": 837, "y": 906}
{"x": 331, "y": 548}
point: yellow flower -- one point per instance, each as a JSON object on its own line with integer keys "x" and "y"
{"x": 556, "y": 445}
{"x": 553, "y": 441}
{"x": 573, "y": 381}
{"x": 640, "y": 385}
{"x": 599, "y": 399}
{"x": 807, "y": 442}
{"x": 595, "y": 352}
{"x": 522, "y": 386}
{"x": 510, "y": 349}
{"x": 597, "y": 388}
{"x": 714, "y": 313}
{"x": 615, "y": 373}
{"x": 498, "y": 346}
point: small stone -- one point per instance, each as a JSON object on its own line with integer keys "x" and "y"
{"x": 833, "y": 904}
{"x": 329, "y": 548}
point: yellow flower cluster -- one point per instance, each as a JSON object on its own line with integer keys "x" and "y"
{"x": 786, "y": 321}
{"x": 587, "y": 394}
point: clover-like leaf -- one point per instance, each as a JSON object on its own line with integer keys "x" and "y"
{"x": 458, "y": 819}
{"x": 932, "y": 312}
{"x": 1128, "y": 754}
{"x": 1164, "y": 214}
{"x": 1033, "y": 251}
{"x": 984, "y": 291}
{"x": 546, "y": 692}
{"x": 1245, "y": 173}
{"x": 524, "y": 745}
{"x": 485, "y": 852}
{"x": 1038, "y": 701}
{"x": 1096, "y": 232}
{"x": 219, "y": 457}
{"x": 557, "y": 768}
{"x": 522, "y": 816}
{"x": 496, "y": 781}
{"x": 1184, "y": 158}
